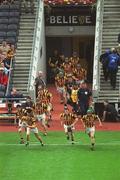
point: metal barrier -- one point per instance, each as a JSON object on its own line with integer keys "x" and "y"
{"x": 97, "y": 49}
{"x": 35, "y": 57}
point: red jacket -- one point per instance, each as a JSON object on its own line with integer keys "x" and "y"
{"x": 3, "y": 79}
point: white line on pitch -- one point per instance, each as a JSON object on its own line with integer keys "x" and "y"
{"x": 56, "y": 144}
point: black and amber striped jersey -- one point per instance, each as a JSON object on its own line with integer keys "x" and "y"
{"x": 89, "y": 120}
{"x": 60, "y": 81}
{"x": 40, "y": 108}
{"x": 80, "y": 74}
{"x": 24, "y": 118}
{"x": 68, "y": 118}
{"x": 19, "y": 114}
{"x": 44, "y": 95}
{"x": 74, "y": 61}
{"x": 31, "y": 122}
{"x": 67, "y": 67}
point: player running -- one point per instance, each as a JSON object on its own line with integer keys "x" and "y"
{"x": 88, "y": 121}
{"x": 22, "y": 125}
{"x": 68, "y": 120}
{"x": 31, "y": 127}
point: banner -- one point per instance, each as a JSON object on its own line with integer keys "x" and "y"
{"x": 71, "y": 17}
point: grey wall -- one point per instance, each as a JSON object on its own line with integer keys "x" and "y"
{"x": 70, "y": 30}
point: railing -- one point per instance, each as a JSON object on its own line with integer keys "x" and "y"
{"x": 4, "y": 99}
{"x": 35, "y": 48}
{"x": 97, "y": 49}
{"x": 119, "y": 89}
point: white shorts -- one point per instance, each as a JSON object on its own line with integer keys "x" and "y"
{"x": 66, "y": 128}
{"x": 34, "y": 130}
{"x": 22, "y": 124}
{"x": 42, "y": 118}
{"x": 49, "y": 108}
{"x": 61, "y": 90}
{"x": 90, "y": 130}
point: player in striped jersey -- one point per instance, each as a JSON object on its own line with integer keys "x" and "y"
{"x": 80, "y": 73}
{"x": 48, "y": 101}
{"x": 45, "y": 96}
{"x": 60, "y": 86}
{"x": 31, "y": 127}
{"x": 88, "y": 121}
{"x": 68, "y": 120}
{"x": 21, "y": 123}
{"x": 40, "y": 111}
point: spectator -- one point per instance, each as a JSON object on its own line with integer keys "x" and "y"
{"x": 3, "y": 82}
{"x": 14, "y": 96}
{"x": 109, "y": 113}
{"x": 39, "y": 82}
{"x": 54, "y": 61}
{"x": 3, "y": 77}
{"x": 4, "y": 48}
{"x": 2, "y": 56}
{"x": 104, "y": 61}
{"x": 113, "y": 62}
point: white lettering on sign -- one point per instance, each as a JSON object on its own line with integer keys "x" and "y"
{"x": 70, "y": 20}
{"x": 52, "y": 20}
{"x": 65, "y": 21}
{"x": 74, "y": 20}
{"x": 88, "y": 20}
{"x": 59, "y": 20}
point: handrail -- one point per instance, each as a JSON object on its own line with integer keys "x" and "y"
{"x": 9, "y": 77}
{"x": 97, "y": 49}
{"x": 8, "y": 98}
{"x": 35, "y": 47}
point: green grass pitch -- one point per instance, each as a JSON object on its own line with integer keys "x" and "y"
{"x": 59, "y": 159}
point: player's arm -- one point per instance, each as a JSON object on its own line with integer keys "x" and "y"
{"x": 100, "y": 123}
{"x": 75, "y": 121}
{"x": 61, "y": 119}
{"x": 83, "y": 123}
{"x": 32, "y": 126}
{"x": 104, "y": 115}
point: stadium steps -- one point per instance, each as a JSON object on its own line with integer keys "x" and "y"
{"x": 111, "y": 29}
{"x": 24, "y": 50}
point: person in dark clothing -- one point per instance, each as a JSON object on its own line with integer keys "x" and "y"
{"x": 14, "y": 96}
{"x": 104, "y": 61}
{"x": 113, "y": 62}
{"x": 53, "y": 64}
{"x": 39, "y": 82}
{"x": 84, "y": 95}
{"x": 109, "y": 113}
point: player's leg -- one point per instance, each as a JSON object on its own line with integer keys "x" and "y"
{"x": 38, "y": 137}
{"x": 72, "y": 137}
{"x": 66, "y": 132}
{"x": 43, "y": 122}
{"x": 70, "y": 132}
{"x": 92, "y": 138}
{"x": 20, "y": 132}
{"x": 27, "y": 136}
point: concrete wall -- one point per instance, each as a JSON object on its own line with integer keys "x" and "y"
{"x": 70, "y": 30}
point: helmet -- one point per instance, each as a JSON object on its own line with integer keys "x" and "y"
{"x": 90, "y": 110}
